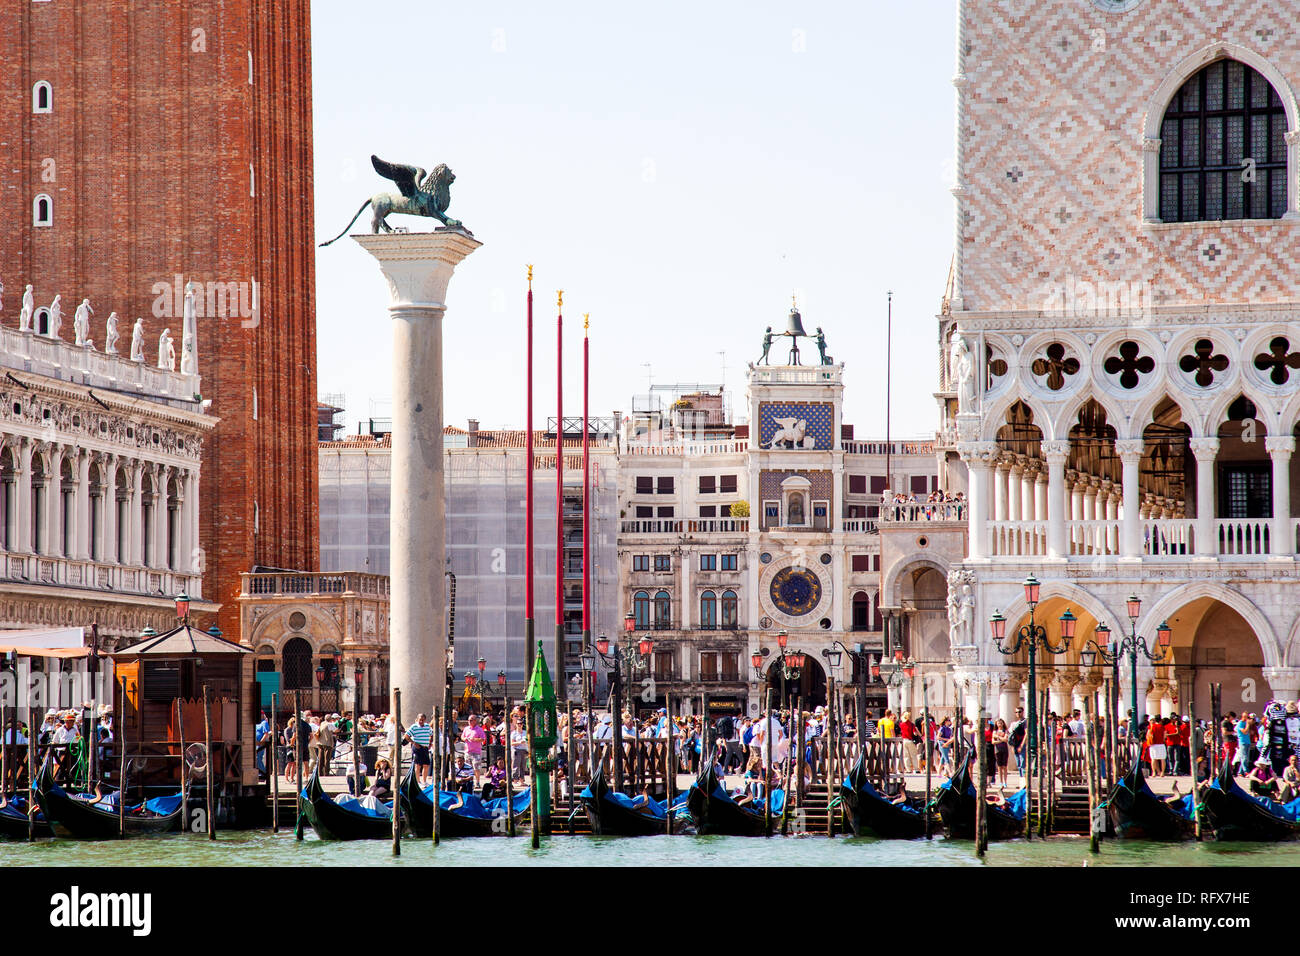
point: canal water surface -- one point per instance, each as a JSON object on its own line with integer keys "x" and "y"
{"x": 262, "y": 848}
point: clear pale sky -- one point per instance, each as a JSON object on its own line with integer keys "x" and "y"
{"x": 677, "y": 168}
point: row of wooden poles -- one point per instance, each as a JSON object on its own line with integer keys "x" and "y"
{"x": 9, "y": 726}
{"x": 1103, "y": 756}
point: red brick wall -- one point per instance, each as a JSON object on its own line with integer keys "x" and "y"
{"x": 152, "y": 142}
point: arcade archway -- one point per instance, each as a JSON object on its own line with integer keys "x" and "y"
{"x": 810, "y": 685}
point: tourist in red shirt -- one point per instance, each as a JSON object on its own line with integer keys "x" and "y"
{"x": 1156, "y": 746}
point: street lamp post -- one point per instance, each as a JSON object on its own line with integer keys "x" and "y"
{"x": 792, "y": 663}
{"x": 1113, "y": 650}
{"x": 635, "y": 656}
{"x": 1032, "y": 636}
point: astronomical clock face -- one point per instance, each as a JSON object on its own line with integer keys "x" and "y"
{"x": 795, "y": 591}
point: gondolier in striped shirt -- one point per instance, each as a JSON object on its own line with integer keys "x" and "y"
{"x": 420, "y": 734}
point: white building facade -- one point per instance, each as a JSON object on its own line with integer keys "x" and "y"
{"x": 1122, "y": 381}
{"x": 99, "y": 472}
{"x": 730, "y": 534}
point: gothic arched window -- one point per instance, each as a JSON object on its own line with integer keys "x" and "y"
{"x": 730, "y": 610}
{"x": 663, "y": 611}
{"x": 296, "y": 666}
{"x": 1223, "y": 148}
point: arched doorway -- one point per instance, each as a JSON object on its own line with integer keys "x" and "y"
{"x": 1213, "y": 644}
{"x": 810, "y": 685}
{"x": 297, "y": 667}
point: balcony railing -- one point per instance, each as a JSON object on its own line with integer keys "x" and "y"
{"x": 887, "y": 448}
{"x": 309, "y": 583}
{"x": 923, "y": 511}
{"x": 80, "y": 573}
{"x": 685, "y": 526}
{"x": 721, "y": 677}
{"x": 688, "y": 449}
{"x": 861, "y": 525}
{"x": 1173, "y": 539}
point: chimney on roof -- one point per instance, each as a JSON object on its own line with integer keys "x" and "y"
{"x": 473, "y": 433}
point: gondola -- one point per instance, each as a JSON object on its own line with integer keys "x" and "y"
{"x": 1235, "y": 814}
{"x": 13, "y": 819}
{"x": 955, "y": 800}
{"x": 616, "y": 814}
{"x": 460, "y": 814}
{"x": 1137, "y": 813}
{"x": 80, "y": 817}
{"x": 868, "y": 813}
{"x": 344, "y": 817}
{"x": 713, "y": 810}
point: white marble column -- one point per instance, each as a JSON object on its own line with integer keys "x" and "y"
{"x": 418, "y": 268}
{"x": 54, "y": 503}
{"x": 1000, "y": 481}
{"x": 1009, "y": 687}
{"x": 1056, "y": 453}
{"x": 1111, "y": 514}
{"x": 1014, "y": 483}
{"x": 81, "y": 549}
{"x": 1130, "y": 456}
{"x": 1283, "y": 682}
{"x": 978, "y": 456}
{"x": 1205, "y": 450}
{"x": 1028, "y": 481}
{"x": 135, "y": 511}
{"x": 1280, "y": 450}
{"x": 25, "y": 543}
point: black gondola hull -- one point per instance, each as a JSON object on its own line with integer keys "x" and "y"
{"x": 608, "y": 818}
{"x": 714, "y": 814}
{"x": 77, "y": 818}
{"x": 956, "y": 806}
{"x": 1234, "y": 816}
{"x": 1137, "y": 814}
{"x": 866, "y": 813}
{"x": 333, "y": 822}
{"x": 14, "y": 824}
{"x": 417, "y": 808}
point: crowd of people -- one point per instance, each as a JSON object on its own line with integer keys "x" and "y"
{"x": 759, "y": 750}
{"x": 60, "y": 737}
{"x": 935, "y": 506}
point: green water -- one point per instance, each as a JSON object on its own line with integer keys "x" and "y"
{"x": 262, "y": 848}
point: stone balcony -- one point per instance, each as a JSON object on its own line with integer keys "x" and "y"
{"x": 58, "y": 571}
{"x": 1165, "y": 539}
{"x": 665, "y": 526}
{"x": 306, "y": 583}
{"x": 63, "y": 361}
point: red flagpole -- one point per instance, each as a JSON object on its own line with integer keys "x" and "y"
{"x": 586, "y": 495}
{"x": 528, "y": 493}
{"x": 559, "y": 489}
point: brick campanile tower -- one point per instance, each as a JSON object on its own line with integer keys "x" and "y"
{"x": 175, "y": 139}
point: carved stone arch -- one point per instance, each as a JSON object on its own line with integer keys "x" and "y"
{"x": 1145, "y": 411}
{"x": 891, "y": 590}
{"x": 1056, "y": 589}
{"x": 995, "y": 418}
{"x": 1067, "y": 416}
{"x": 1169, "y": 603}
{"x": 1265, "y": 410}
{"x": 1158, "y": 104}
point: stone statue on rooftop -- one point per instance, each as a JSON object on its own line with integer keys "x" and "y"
{"x": 110, "y": 335}
{"x": 420, "y": 194}
{"x": 137, "y": 341}
{"x": 189, "y": 332}
{"x": 56, "y": 317}
{"x": 166, "y": 351}
{"x": 962, "y": 370}
{"x": 767, "y": 345}
{"x": 81, "y": 322}
{"x": 2, "y": 296}
{"x": 28, "y": 310}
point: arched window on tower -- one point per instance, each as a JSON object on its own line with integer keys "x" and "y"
{"x": 861, "y": 611}
{"x": 1223, "y": 150}
{"x": 730, "y": 610}
{"x": 296, "y": 667}
{"x": 42, "y": 211}
{"x": 42, "y": 97}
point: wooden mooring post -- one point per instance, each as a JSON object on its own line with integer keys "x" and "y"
{"x": 828, "y": 745}
{"x": 121, "y": 781}
{"x": 299, "y": 755}
{"x": 929, "y": 751}
{"x": 510, "y": 776}
{"x": 981, "y": 777}
{"x": 184, "y": 773}
{"x": 211, "y": 766}
{"x": 670, "y": 766}
{"x": 397, "y": 770}
{"x": 1090, "y": 736}
{"x": 768, "y": 774}
{"x": 274, "y": 764}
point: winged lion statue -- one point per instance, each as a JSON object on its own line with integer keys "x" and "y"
{"x": 420, "y": 194}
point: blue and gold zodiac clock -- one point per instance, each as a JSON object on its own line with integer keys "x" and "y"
{"x": 795, "y": 591}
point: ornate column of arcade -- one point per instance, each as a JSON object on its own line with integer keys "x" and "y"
{"x": 1158, "y": 698}
{"x": 1056, "y": 453}
{"x": 1280, "y": 450}
{"x": 53, "y": 517}
{"x": 1010, "y": 683}
{"x": 1015, "y": 473}
{"x": 1205, "y": 450}
{"x": 1130, "y": 456}
{"x": 978, "y": 456}
{"x": 418, "y": 267}
{"x": 23, "y": 477}
{"x": 1059, "y": 697}
{"x": 81, "y": 506}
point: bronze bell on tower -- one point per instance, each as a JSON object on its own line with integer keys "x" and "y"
{"x": 795, "y": 326}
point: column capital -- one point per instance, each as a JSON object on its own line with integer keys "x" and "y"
{"x": 418, "y": 265}
{"x": 983, "y": 452}
{"x": 1280, "y": 445}
{"x": 1204, "y": 447}
{"x": 1129, "y": 449}
{"x": 1056, "y": 451}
